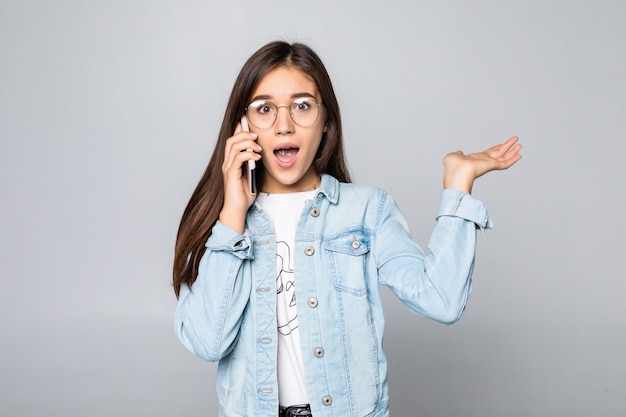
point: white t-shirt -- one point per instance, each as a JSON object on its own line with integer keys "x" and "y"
{"x": 285, "y": 210}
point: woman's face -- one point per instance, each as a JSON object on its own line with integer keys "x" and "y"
{"x": 288, "y": 149}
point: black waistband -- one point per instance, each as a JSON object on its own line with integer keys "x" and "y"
{"x": 303, "y": 410}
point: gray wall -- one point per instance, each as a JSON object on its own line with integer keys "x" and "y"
{"x": 108, "y": 112}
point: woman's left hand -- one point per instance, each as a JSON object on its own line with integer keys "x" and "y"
{"x": 461, "y": 170}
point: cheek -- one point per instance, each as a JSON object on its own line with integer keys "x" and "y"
{"x": 315, "y": 143}
{"x": 265, "y": 145}
{"x": 320, "y": 140}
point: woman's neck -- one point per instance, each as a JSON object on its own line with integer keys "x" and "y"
{"x": 309, "y": 182}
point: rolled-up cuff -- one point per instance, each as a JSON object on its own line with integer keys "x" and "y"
{"x": 224, "y": 238}
{"x": 461, "y": 204}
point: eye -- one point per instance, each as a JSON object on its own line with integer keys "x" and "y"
{"x": 262, "y": 107}
{"x": 302, "y": 105}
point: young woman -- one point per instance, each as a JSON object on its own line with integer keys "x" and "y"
{"x": 241, "y": 259}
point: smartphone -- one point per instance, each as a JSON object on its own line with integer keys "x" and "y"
{"x": 249, "y": 166}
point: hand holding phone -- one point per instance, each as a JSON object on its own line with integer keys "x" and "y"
{"x": 249, "y": 166}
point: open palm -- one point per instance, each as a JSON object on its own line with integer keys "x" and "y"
{"x": 460, "y": 170}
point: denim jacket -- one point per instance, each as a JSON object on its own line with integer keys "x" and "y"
{"x": 350, "y": 238}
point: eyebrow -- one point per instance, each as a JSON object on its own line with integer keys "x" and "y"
{"x": 293, "y": 96}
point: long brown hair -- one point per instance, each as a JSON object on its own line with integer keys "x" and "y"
{"x": 207, "y": 200}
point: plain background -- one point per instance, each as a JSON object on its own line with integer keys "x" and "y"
{"x": 108, "y": 114}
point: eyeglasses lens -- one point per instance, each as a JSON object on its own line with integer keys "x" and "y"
{"x": 303, "y": 111}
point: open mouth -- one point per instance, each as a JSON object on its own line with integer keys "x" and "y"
{"x": 286, "y": 155}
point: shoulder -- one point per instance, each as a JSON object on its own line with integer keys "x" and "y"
{"x": 365, "y": 201}
{"x": 352, "y": 195}
{"x": 361, "y": 191}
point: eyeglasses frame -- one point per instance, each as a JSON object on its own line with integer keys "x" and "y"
{"x": 278, "y": 106}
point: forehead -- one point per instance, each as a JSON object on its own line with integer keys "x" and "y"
{"x": 285, "y": 83}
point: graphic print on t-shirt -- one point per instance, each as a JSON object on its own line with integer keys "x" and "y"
{"x": 286, "y": 314}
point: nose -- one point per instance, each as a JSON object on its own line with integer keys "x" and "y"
{"x": 284, "y": 124}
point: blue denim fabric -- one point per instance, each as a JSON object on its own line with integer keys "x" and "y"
{"x": 350, "y": 239}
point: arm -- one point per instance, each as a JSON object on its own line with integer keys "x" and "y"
{"x": 437, "y": 285}
{"x": 209, "y": 314}
{"x": 434, "y": 285}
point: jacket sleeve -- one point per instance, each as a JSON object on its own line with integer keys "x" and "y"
{"x": 209, "y": 314}
{"x": 435, "y": 285}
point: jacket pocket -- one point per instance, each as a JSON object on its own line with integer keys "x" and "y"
{"x": 347, "y": 255}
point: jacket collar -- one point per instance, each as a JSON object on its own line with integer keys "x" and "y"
{"x": 329, "y": 187}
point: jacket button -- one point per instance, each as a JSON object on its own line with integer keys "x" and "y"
{"x": 318, "y": 352}
{"x": 308, "y": 251}
{"x": 312, "y": 302}
{"x": 327, "y": 400}
{"x": 314, "y": 212}
{"x": 356, "y": 244}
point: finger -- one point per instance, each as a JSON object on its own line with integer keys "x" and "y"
{"x": 502, "y": 149}
{"x": 245, "y": 143}
{"x": 515, "y": 149}
{"x": 240, "y": 141}
{"x": 510, "y": 162}
{"x": 510, "y": 158}
{"x": 511, "y": 143}
{"x": 239, "y": 154}
{"x": 513, "y": 152}
{"x": 247, "y": 155}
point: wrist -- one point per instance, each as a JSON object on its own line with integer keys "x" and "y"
{"x": 233, "y": 220}
{"x": 459, "y": 180}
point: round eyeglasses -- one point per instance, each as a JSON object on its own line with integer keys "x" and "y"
{"x": 303, "y": 111}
